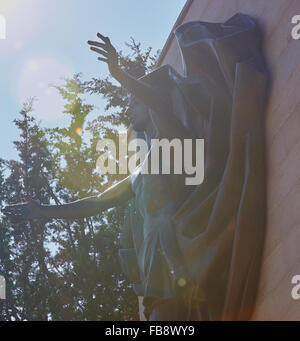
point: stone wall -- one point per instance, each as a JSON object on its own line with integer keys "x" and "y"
{"x": 281, "y": 260}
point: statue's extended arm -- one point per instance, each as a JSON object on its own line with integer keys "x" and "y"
{"x": 144, "y": 92}
{"x": 90, "y": 206}
{"x": 150, "y": 96}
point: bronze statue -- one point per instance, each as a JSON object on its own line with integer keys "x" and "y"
{"x": 193, "y": 252}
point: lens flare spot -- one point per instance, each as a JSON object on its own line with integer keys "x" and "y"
{"x": 78, "y": 131}
{"x": 181, "y": 282}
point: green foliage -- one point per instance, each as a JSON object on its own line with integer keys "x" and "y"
{"x": 62, "y": 270}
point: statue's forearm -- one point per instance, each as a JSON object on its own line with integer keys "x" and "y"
{"x": 141, "y": 90}
{"x": 77, "y": 209}
{"x": 90, "y": 206}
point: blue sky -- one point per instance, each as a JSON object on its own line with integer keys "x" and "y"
{"x": 46, "y": 40}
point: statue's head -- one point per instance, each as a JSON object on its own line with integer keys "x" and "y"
{"x": 138, "y": 114}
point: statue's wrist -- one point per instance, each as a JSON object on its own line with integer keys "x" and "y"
{"x": 47, "y": 211}
{"x": 43, "y": 211}
{"x": 114, "y": 70}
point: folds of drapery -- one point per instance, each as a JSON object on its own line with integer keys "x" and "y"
{"x": 220, "y": 226}
{"x": 221, "y": 232}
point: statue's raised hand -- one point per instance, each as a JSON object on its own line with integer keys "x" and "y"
{"x": 23, "y": 211}
{"x": 106, "y": 49}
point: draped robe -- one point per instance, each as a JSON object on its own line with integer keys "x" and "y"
{"x": 220, "y": 227}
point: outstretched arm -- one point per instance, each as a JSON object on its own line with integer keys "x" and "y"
{"x": 90, "y": 206}
{"x": 142, "y": 91}
{"x": 162, "y": 115}
{"x": 86, "y": 207}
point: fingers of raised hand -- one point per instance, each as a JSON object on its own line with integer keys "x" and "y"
{"x": 103, "y": 59}
{"x": 96, "y": 43}
{"x": 105, "y": 54}
{"x": 101, "y": 52}
{"x": 106, "y": 49}
{"x": 103, "y": 38}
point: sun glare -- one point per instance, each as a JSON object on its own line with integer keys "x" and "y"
{"x": 37, "y": 79}
{"x": 24, "y": 19}
{"x": 11, "y": 7}
{"x": 24, "y": 22}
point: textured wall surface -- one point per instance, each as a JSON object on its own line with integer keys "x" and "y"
{"x": 281, "y": 260}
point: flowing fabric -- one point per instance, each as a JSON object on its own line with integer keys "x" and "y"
{"x": 219, "y": 228}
